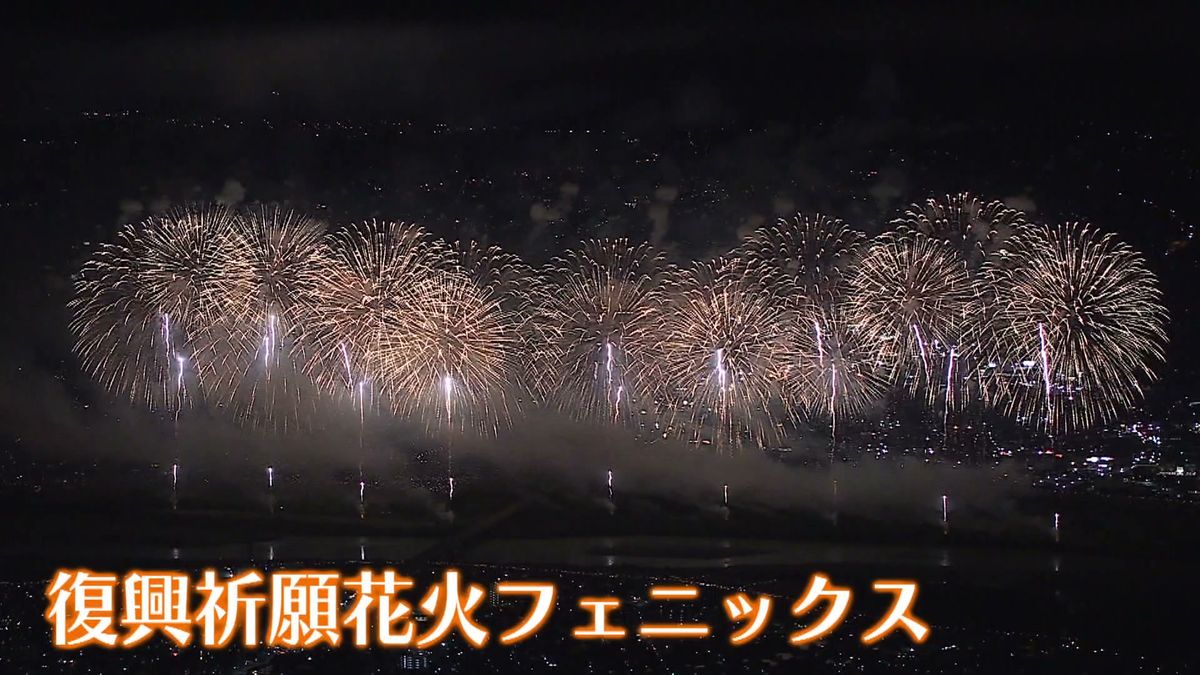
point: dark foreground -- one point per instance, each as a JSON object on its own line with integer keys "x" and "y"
{"x": 989, "y": 614}
{"x": 997, "y": 600}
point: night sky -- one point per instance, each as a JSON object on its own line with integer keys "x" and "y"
{"x": 684, "y": 126}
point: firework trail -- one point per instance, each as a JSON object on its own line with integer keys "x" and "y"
{"x": 598, "y": 320}
{"x": 951, "y": 394}
{"x": 724, "y": 353}
{"x": 1079, "y": 323}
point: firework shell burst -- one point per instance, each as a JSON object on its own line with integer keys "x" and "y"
{"x": 833, "y": 370}
{"x": 255, "y": 350}
{"x": 1078, "y": 325}
{"x": 368, "y": 295}
{"x": 723, "y": 347}
{"x": 144, "y": 305}
{"x": 807, "y": 255}
{"x": 454, "y": 354}
{"x": 976, "y": 229}
{"x": 598, "y": 323}
{"x": 262, "y": 313}
{"x": 515, "y": 287}
{"x": 913, "y": 301}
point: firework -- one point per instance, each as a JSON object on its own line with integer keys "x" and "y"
{"x": 1079, "y": 323}
{"x": 598, "y": 320}
{"x": 912, "y": 298}
{"x": 833, "y": 371}
{"x": 453, "y": 358}
{"x": 506, "y": 277}
{"x": 250, "y": 310}
{"x": 515, "y": 287}
{"x": 977, "y": 230}
{"x": 806, "y": 256}
{"x": 143, "y": 304}
{"x": 369, "y": 292}
{"x": 258, "y": 371}
{"x": 723, "y": 356}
